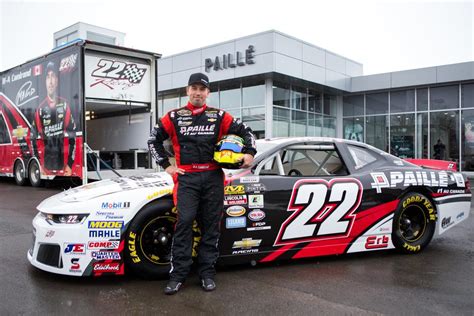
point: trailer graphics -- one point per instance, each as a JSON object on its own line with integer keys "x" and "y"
{"x": 41, "y": 124}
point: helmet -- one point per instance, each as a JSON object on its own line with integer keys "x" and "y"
{"x": 228, "y": 152}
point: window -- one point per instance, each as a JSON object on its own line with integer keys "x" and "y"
{"x": 230, "y": 96}
{"x": 377, "y": 103}
{"x": 170, "y": 102}
{"x": 304, "y": 160}
{"x": 253, "y": 95}
{"x": 444, "y": 132}
{"x": 402, "y": 135}
{"x": 4, "y": 134}
{"x": 281, "y": 122}
{"x": 281, "y": 95}
{"x": 329, "y": 107}
{"x": 354, "y": 128}
{"x": 298, "y": 98}
{"x": 402, "y": 101}
{"x": 467, "y": 95}
{"x": 361, "y": 156}
{"x": 353, "y": 105}
{"x": 314, "y": 102}
{"x": 444, "y": 97}
{"x": 422, "y": 99}
{"x": 376, "y": 131}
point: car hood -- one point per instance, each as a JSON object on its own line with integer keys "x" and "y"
{"x": 103, "y": 188}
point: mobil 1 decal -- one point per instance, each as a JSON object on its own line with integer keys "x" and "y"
{"x": 320, "y": 209}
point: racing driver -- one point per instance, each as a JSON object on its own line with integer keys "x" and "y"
{"x": 199, "y": 182}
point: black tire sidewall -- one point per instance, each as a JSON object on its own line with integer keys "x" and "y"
{"x": 429, "y": 210}
{"x": 22, "y": 181}
{"x": 32, "y": 181}
{"x": 134, "y": 257}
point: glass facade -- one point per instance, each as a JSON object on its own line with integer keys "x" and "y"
{"x": 435, "y": 122}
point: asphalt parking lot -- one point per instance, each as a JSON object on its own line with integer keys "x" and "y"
{"x": 438, "y": 281}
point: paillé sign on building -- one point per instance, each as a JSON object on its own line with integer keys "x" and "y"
{"x": 230, "y": 60}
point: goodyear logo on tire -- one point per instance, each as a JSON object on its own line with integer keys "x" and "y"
{"x": 105, "y": 224}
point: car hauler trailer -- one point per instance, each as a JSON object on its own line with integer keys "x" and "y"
{"x": 77, "y": 110}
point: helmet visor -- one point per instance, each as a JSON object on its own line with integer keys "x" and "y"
{"x": 236, "y": 148}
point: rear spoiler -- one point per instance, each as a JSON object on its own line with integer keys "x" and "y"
{"x": 435, "y": 164}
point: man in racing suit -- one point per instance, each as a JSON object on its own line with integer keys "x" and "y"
{"x": 53, "y": 123}
{"x": 199, "y": 182}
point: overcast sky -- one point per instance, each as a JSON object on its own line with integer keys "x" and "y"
{"x": 382, "y": 35}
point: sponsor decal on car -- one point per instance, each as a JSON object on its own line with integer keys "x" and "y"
{"x": 256, "y": 215}
{"x": 75, "y": 266}
{"x": 235, "y": 222}
{"x": 105, "y": 255}
{"x": 109, "y": 215}
{"x": 446, "y": 222}
{"x": 234, "y": 189}
{"x": 256, "y": 201}
{"x": 460, "y": 216}
{"x": 255, "y": 188}
{"x": 106, "y": 267}
{"x": 235, "y": 211}
{"x": 377, "y": 242}
{"x": 49, "y": 234}
{"x": 112, "y": 244}
{"x": 70, "y": 248}
{"x": 253, "y": 179}
{"x": 246, "y": 243}
{"x": 104, "y": 233}
{"x": 115, "y": 205}
{"x": 105, "y": 224}
{"x": 407, "y": 178}
{"x": 235, "y": 199}
{"x": 159, "y": 193}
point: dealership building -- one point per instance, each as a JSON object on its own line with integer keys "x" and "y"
{"x": 282, "y": 86}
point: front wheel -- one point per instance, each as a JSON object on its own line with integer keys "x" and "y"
{"x": 148, "y": 240}
{"x": 414, "y": 223}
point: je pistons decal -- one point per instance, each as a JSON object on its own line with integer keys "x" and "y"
{"x": 320, "y": 210}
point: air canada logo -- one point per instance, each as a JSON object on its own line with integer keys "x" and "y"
{"x": 117, "y": 70}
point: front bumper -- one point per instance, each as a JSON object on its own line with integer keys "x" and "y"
{"x": 49, "y": 243}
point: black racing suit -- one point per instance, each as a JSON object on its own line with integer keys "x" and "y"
{"x": 199, "y": 193}
{"x": 53, "y": 123}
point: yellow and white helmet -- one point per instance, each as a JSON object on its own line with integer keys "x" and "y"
{"x": 228, "y": 152}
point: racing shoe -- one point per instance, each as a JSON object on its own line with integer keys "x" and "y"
{"x": 172, "y": 287}
{"x": 208, "y": 284}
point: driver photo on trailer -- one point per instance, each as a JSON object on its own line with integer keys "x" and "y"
{"x": 54, "y": 129}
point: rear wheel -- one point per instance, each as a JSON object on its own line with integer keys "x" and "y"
{"x": 34, "y": 174}
{"x": 148, "y": 240}
{"x": 414, "y": 223}
{"x": 20, "y": 173}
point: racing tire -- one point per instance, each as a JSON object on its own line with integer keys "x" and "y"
{"x": 414, "y": 223}
{"x": 19, "y": 173}
{"x": 147, "y": 249}
{"x": 34, "y": 174}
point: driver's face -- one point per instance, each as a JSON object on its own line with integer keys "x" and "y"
{"x": 197, "y": 94}
{"x": 51, "y": 84}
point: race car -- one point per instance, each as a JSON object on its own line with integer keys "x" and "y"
{"x": 303, "y": 197}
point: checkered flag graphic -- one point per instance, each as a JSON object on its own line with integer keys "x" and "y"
{"x": 133, "y": 73}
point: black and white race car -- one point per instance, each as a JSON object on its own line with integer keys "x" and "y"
{"x": 303, "y": 197}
